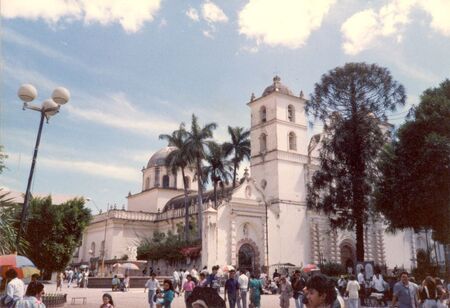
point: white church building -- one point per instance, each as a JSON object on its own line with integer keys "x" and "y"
{"x": 264, "y": 220}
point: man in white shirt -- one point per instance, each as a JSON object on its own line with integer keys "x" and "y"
{"x": 152, "y": 285}
{"x": 176, "y": 280}
{"x": 15, "y": 290}
{"x": 243, "y": 285}
{"x": 352, "y": 290}
{"x": 362, "y": 285}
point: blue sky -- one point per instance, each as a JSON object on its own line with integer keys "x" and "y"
{"x": 136, "y": 69}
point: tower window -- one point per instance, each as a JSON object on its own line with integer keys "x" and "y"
{"x": 157, "y": 175}
{"x": 165, "y": 182}
{"x": 263, "y": 142}
{"x": 263, "y": 114}
{"x": 147, "y": 183}
{"x": 291, "y": 113}
{"x": 292, "y": 141}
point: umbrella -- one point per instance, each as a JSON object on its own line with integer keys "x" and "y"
{"x": 23, "y": 266}
{"x": 16, "y": 261}
{"x": 83, "y": 266}
{"x": 228, "y": 268}
{"x": 311, "y": 268}
{"x": 208, "y": 295}
{"x": 129, "y": 266}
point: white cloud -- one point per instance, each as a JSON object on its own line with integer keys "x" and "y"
{"x": 94, "y": 168}
{"x": 286, "y": 23}
{"x": 208, "y": 33}
{"x": 364, "y": 29}
{"x": 130, "y": 16}
{"x": 439, "y": 11}
{"x": 23, "y": 75}
{"x": 118, "y": 112}
{"x": 193, "y": 14}
{"x": 212, "y": 13}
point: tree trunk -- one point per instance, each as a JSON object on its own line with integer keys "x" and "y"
{"x": 186, "y": 208}
{"x": 199, "y": 197}
{"x": 215, "y": 193}
{"x": 234, "y": 171}
{"x": 359, "y": 240}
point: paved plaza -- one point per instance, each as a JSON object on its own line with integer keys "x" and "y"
{"x": 133, "y": 298}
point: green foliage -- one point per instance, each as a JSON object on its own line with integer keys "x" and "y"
{"x": 239, "y": 147}
{"x": 351, "y": 101}
{"x": 165, "y": 246}
{"x": 218, "y": 167}
{"x": 332, "y": 269}
{"x": 55, "y": 231}
{"x": 196, "y": 142}
{"x": 413, "y": 190}
{"x": 180, "y": 158}
{"x": 424, "y": 266}
{"x": 8, "y": 232}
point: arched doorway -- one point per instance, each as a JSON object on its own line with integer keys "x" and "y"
{"x": 348, "y": 255}
{"x": 246, "y": 258}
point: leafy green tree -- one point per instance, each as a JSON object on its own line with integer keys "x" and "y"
{"x": 413, "y": 190}
{"x": 239, "y": 147}
{"x": 180, "y": 158}
{"x": 217, "y": 168}
{"x": 197, "y": 140}
{"x": 351, "y": 101}
{"x": 55, "y": 231}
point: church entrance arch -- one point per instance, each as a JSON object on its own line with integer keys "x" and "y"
{"x": 348, "y": 255}
{"x": 248, "y": 256}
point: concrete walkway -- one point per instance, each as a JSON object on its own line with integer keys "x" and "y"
{"x": 134, "y": 298}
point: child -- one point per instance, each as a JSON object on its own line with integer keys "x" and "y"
{"x": 167, "y": 296}
{"x": 107, "y": 301}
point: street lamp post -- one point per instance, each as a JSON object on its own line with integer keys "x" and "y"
{"x": 49, "y": 107}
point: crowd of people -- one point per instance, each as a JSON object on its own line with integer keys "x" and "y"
{"x": 242, "y": 289}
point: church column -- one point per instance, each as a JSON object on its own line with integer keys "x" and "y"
{"x": 233, "y": 241}
{"x": 209, "y": 240}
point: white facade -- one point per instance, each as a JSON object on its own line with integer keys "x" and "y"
{"x": 261, "y": 222}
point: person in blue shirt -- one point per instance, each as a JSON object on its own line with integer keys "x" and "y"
{"x": 168, "y": 295}
{"x": 232, "y": 289}
{"x": 213, "y": 279}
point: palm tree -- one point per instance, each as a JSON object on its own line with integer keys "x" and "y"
{"x": 239, "y": 147}
{"x": 218, "y": 168}
{"x": 196, "y": 143}
{"x": 9, "y": 225}
{"x": 180, "y": 159}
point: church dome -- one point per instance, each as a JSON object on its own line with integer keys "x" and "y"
{"x": 277, "y": 86}
{"x": 159, "y": 158}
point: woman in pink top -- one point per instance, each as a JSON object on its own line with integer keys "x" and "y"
{"x": 188, "y": 287}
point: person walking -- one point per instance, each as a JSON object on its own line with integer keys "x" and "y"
{"x": 255, "y": 287}
{"x": 362, "y": 287}
{"x": 214, "y": 279}
{"x": 167, "y": 296}
{"x": 33, "y": 296}
{"x": 232, "y": 289}
{"x": 298, "y": 284}
{"x": 352, "y": 291}
{"x": 428, "y": 293}
{"x": 286, "y": 292}
{"x": 188, "y": 287}
{"x": 69, "y": 277}
{"x": 59, "y": 281}
{"x": 152, "y": 285}
{"x": 243, "y": 289}
{"x": 176, "y": 280}
{"x": 404, "y": 293}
